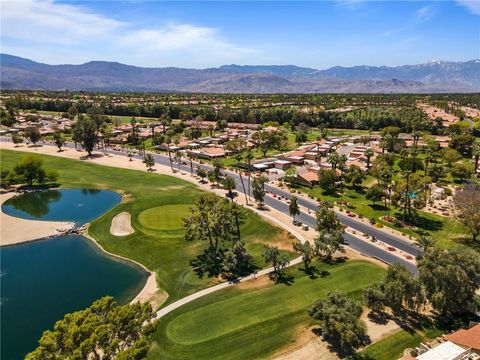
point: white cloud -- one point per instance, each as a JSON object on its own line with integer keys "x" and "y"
{"x": 472, "y": 5}
{"x": 46, "y": 21}
{"x": 350, "y": 4}
{"x": 424, "y": 13}
{"x": 30, "y": 25}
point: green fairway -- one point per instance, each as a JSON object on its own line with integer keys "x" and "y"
{"x": 157, "y": 204}
{"x": 250, "y": 322}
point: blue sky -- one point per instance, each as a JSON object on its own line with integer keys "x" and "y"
{"x": 201, "y": 34}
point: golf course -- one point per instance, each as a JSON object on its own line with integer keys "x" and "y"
{"x": 255, "y": 319}
{"x": 157, "y": 204}
{"x": 258, "y": 318}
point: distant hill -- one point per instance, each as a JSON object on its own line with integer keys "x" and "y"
{"x": 437, "y": 76}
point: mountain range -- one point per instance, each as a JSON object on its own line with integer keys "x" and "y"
{"x": 433, "y": 77}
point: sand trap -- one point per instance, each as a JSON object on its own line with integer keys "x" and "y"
{"x": 121, "y": 225}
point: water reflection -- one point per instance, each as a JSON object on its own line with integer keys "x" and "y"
{"x": 37, "y": 203}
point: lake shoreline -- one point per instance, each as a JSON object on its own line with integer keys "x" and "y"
{"x": 31, "y": 230}
{"x": 44, "y": 230}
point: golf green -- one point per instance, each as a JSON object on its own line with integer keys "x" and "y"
{"x": 166, "y": 217}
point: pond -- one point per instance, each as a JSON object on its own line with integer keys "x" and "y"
{"x": 42, "y": 281}
{"x": 76, "y": 205}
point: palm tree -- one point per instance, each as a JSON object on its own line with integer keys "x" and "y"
{"x": 429, "y": 158}
{"x": 476, "y": 153}
{"x": 293, "y": 208}
{"x": 368, "y": 154}
{"x": 425, "y": 243}
{"x": 333, "y": 158}
{"x": 238, "y": 147}
{"x": 152, "y": 127}
{"x": 229, "y": 185}
{"x": 191, "y": 156}
{"x": 249, "y": 157}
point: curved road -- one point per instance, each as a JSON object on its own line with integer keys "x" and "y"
{"x": 360, "y": 245}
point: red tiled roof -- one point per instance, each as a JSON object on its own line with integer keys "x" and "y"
{"x": 309, "y": 176}
{"x": 468, "y": 338}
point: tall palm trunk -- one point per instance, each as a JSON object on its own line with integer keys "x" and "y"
{"x": 243, "y": 186}
{"x": 170, "y": 156}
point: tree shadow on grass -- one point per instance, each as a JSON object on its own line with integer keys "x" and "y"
{"x": 282, "y": 278}
{"x": 93, "y": 156}
{"x": 378, "y": 207}
{"x": 313, "y": 273}
{"x": 204, "y": 264}
{"x": 467, "y": 241}
{"x": 334, "y": 345}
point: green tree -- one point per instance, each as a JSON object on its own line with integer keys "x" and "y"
{"x": 461, "y": 170}
{"x": 476, "y": 154}
{"x": 326, "y": 219}
{"x": 402, "y": 290}
{"x": 437, "y": 172}
{"x": 450, "y": 156}
{"x": 450, "y": 278}
{"x": 412, "y": 164}
{"x": 85, "y": 130}
{"x": 105, "y": 330}
{"x": 210, "y": 220}
{"x": 293, "y": 208}
{"x": 467, "y": 208}
{"x": 329, "y": 242}
{"x": 279, "y": 261}
{"x": 368, "y": 154}
{"x": 327, "y": 180}
{"x": 375, "y": 193}
{"x": 263, "y": 140}
{"x": 72, "y": 112}
{"x": 307, "y": 252}
{"x": 30, "y": 170}
{"x": 340, "y": 321}
{"x": 259, "y": 189}
{"x": 149, "y": 161}
{"x": 59, "y": 139}
{"x": 238, "y": 147}
{"x": 17, "y": 139}
{"x": 354, "y": 175}
{"x": 374, "y": 299}
{"x": 33, "y": 134}
{"x": 462, "y": 143}
{"x": 229, "y": 185}
{"x": 237, "y": 260}
{"x": 425, "y": 242}
{"x": 202, "y": 173}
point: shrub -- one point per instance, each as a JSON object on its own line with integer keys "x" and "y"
{"x": 378, "y": 225}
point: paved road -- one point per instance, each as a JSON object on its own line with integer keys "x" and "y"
{"x": 358, "y": 244}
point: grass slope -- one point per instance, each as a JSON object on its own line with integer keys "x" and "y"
{"x": 254, "y": 322}
{"x": 157, "y": 241}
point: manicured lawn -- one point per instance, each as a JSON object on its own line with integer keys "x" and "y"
{"x": 251, "y": 322}
{"x": 157, "y": 204}
{"x": 393, "y": 346}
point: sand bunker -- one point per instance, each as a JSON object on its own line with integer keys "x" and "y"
{"x": 121, "y": 225}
